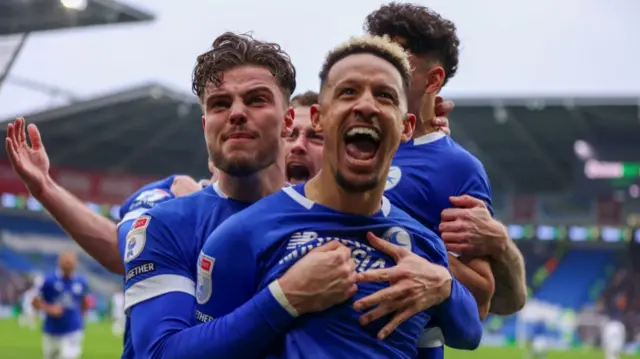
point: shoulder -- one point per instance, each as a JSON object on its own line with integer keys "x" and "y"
{"x": 148, "y": 194}
{"x": 184, "y": 208}
{"x": 460, "y": 160}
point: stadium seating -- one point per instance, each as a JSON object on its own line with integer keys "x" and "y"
{"x": 577, "y": 272}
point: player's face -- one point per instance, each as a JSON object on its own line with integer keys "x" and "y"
{"x": 303, "y": 148}
{"x": 422, "y": 80}
{"x": 363, "y": 115}
{"x": 244, "y": 120}
{"x": 67, "y": 263}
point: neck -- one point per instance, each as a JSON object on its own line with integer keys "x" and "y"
{"x": 425, "y": 116}
{"x": 324, "y": 190}
{"x": 423, "y": 127}
{"x": 254, "y": 187}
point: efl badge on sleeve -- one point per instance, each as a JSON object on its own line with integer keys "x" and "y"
{"x": 136, "y": 238}
{"x": 203, "y": 287}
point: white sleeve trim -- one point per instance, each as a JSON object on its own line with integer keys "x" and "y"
{"x": 277, "y": 293}
{"x": 156, "y": 286}
{"x": 132, "y": 215}
{"x": 431, "y": 338}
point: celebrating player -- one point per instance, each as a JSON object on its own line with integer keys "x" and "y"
{"x": 62, "y": 298}
{"x": 431, "y": 173}
{"x": 303, "y": 145}
{"x": 363, "y": 116}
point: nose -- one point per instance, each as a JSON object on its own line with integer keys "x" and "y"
{"x": 366, "y": 106}
{"x": 299, "y": 146}
{"x": 237, "y": 113}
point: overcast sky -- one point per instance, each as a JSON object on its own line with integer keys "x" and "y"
{"x": 509, "y": 48}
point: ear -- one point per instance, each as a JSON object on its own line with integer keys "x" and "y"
{"x": 288, "y": 122}
{"x": 203, "y": 122}
{"x": 435, "y": 79}
{"x": 408, "y": 125}
{"x": 315, "y": 118}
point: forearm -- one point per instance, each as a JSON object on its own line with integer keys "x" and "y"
{"x": 511, "y": 287}
{"x": 459, "y": 320}
{"x": 475, "y": 274}
{"x": 96, "y": 234}
{"x": 247, "y": 332}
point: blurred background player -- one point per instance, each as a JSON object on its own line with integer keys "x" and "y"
{"x": 117, "y": 313}
{"x": 613, "y": 338}
{"x": 62, "y": 298}
{"x": 29, "y": 316}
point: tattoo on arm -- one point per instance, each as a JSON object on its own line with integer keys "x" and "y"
{"x": 511, "y": 287}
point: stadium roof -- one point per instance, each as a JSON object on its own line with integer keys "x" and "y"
{"x": 24, "y": 16}
{"x": 526, "y": 146}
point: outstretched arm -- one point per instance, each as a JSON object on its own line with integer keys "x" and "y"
{"x": 93, "y": 232}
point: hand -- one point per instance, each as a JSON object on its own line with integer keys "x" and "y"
{"x": 324, "y": 277}
{"x": 31, "y": 163}
{"x": 55, "y": 310}
{"x": 184, "y": 185}
{"x": 470, "y": 230}
{"x": 443, "y": 108}
{"x": 416, "y": 285}
{"x": 37, "y": 303}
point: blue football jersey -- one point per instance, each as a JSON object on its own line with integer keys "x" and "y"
{"x": 427, "y": 170}
{"x": 163, "y": 244}
{"x": 256, "y": 246}
{"x": 69, "y": 293}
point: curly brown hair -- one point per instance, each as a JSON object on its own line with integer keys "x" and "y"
{"x": 426, "y": 32}
{"x": 306, "y": 99}
{"x": 231, "y": 50}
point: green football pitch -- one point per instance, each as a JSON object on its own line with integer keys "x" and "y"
{"x": 100, "y": 343}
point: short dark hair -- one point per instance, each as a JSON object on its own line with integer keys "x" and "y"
{"x": 375, "y": 45}
{"x": 425, "y": 31}
{"x": 306, "y": 99}
{"x": 231, "y": 50}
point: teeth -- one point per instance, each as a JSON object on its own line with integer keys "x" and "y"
{"x": 364, "y": 131}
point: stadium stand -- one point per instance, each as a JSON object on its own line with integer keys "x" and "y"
{"x": 30, "y": 243}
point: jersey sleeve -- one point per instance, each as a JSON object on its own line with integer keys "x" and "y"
{"x": 161, "y": 328}
{"x": 475, "y": 181}
{"x": 155, "y": 262}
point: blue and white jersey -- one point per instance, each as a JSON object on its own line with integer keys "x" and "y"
{"x": 258, "y": 245}
{"x": 427, "y": 170}
{"x": 69, "y": 293}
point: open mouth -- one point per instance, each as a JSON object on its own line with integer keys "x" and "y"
{"x": 297, "y": 173}
{"x": 362, "y": 143}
